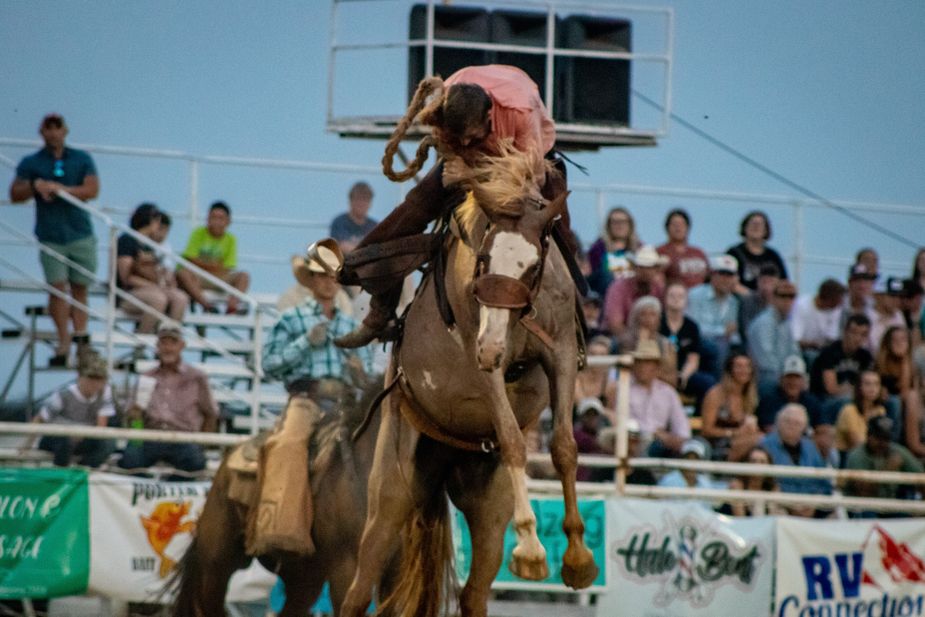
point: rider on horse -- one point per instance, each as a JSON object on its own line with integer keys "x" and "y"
{"x": 480, "y": 107}
{"x": 320, "y": 379}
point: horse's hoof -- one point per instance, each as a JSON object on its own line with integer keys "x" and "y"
{"x": 534, "y": 569}
{"x": 580, "y": 575}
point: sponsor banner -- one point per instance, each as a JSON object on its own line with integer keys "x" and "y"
{"x": 861, "y": 567}
{"x": 677, "y": 559}
{"x": 549, "y": 516}
{"x": 139, "y": 530}
{"x": 44, "y": 548}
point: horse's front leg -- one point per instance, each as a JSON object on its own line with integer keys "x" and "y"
{"x": 578, "y": 567}
{"x": 528, "y": 560}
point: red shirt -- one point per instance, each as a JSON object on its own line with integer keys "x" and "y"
{"x": 620, "y": 296}
{"x": 689, "y": 265}
{"x": 517, "y": 111}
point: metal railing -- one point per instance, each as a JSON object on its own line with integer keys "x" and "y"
{"x": 114, "y": 292}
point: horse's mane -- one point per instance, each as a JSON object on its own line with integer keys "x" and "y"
{"x": 502, "y": 184}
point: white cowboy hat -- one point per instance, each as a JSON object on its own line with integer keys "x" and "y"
{"x": 322, "y": 257}
{"x": 647, "y": 257}
{"x": 647, "y": 349}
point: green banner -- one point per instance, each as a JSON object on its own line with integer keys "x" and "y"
{"x": 549, "y": 516}
{"x": 44, "y": 532}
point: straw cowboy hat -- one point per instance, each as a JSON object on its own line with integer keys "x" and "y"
{"x": 322, "y": 257}
{"x": 647, "y": 349}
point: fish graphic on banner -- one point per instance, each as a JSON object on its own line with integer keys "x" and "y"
{"x": 162, "y": 525}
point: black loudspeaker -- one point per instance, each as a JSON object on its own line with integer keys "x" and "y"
{"x": 453, "y": 23}
{"x": 521, "y": 28}
{"x": 594, "y": 90}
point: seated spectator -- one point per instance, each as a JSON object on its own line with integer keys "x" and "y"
{"x": 715, "y": 309}
{"x": 824, "y": 438}
{"x": 910, "y": 304}
{"x": 684, "y": 335}
{"x": 623, "y": 292}
{"x": 918, "y": 267}
{"x": 793, "y": 387}
{"x": 815, "y": 320}
{"x": 592, "y": 308}
{"x": 644, "y": 320}
{"x": 300, "y": 291}
{"x": 655, "y": 405}
{"x": 686, "y": 264}
{"x": 351, "y": 226}
{"x": 835, "y": 372}
{"x": 754, "y": 252}
{"x": 894, "y": 363}
{"x": 879, "y": 453}
{"x": 851, "y": 427}
{"x": 729, "y": 421}
{"x": 765, "y": 484}
{"x": 590, "y": 420}
{"x": 181, "y": 401}
{"x": 608, "y": 442}
{"x": 751, "y": 304}
{"x": 607, "y": 256}
{"x": 789, "y": 445}
{"x": 88, "y": 402}
{"x": 770, "y": 340}
{"x": 868, "y": 258}
{"x": 859, "y": 297}
{"x": 214, "y": 249}
{"x": 885, "y": 313}
{"x": 597, "y": 381}
{"x": 139, "y": 273}
{"x": 692, "y": 450}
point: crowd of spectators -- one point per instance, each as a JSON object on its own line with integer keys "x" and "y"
{"x": 765, "y": 371}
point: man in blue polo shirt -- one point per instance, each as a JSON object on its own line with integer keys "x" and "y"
{"x": 61, "y": 226}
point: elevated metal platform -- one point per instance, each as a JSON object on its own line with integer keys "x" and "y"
{"x": 588, "y": 60}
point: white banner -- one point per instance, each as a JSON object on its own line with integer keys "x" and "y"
{"x": 677, "y": 559}
{"x": 865, "y": 567}
{"x": 140, "y": 528}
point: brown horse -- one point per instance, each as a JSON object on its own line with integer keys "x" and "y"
{"x": 217, "y": 549}
{"x": 466, "y": 395}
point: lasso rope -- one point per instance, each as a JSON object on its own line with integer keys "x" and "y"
{"x": 427, "y": 87}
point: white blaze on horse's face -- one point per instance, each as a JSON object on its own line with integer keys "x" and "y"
{"x": 510, "y": 255}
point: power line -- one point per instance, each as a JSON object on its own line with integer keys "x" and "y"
{"x": 777, "y": 176}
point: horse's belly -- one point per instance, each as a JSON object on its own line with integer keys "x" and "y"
{"x": 451, "y": 401}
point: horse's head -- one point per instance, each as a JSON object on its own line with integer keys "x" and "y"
{"x": 509, "y": 270}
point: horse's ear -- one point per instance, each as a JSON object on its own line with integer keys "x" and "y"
{"x": 557, "y": 206}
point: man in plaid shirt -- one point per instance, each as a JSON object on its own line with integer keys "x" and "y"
{"x": 319, "y": 377}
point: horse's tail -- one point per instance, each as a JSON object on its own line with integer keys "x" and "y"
{"x": 186, "y": 582}
{"x": 427, "y": 580}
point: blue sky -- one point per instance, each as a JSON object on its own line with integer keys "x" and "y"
{"x": 826, "y": 93}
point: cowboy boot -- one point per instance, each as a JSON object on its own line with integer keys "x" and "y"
{"x": 422, "y": 205}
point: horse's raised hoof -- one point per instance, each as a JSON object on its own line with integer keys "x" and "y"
{"x": 531, "y": 569}
{"x": 580, "y": 575}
